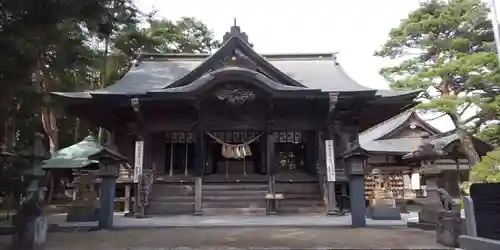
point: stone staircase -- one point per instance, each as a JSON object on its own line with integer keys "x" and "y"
{"x": 234, "y": 198}
{"x": 300, "y": 198}
{"x": 248, "y": 198}
{"x": 171, "y": 199}
{"x": 243, "y": 197}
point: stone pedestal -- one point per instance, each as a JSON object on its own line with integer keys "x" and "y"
{"x": 82, "y": 213}
{"x": 358, "y": 207}
{"x": 84, "y": 207}
{"x": 107, "y": 201}
{"x": 449, "y": 228}
{"x": 384, "y": 209}
{"x": 431, "y": 204}
{"x": 34, "y": 235}
{"x": 382, "y": 206}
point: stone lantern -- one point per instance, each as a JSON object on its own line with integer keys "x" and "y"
{"x": 31, "y": 226}
{"x": 431, "y": 204}
{"x": 356, "y": 160}
{"x": 109, "y": 163}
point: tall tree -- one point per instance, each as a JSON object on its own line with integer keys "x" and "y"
{"x": 447, "y": 49}
{"x": 45, "y": 43}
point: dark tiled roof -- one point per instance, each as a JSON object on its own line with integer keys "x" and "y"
{"x": 153, "y": 75}
{"x": 315, "y": 71}
{"x": 384, "y": 128}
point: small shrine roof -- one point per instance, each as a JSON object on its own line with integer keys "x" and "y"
{"x": 374, "y": 139}
{"x": 78, "y": 155}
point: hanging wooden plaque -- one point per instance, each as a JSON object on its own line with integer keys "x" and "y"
{"x": 181, "y": 137}
{"x": 290, "y": 137}
{"x": 189, "y": 137}
{"x": 173, "y": 137}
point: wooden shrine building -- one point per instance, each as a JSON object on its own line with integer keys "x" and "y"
{"x": 245, "y": 124}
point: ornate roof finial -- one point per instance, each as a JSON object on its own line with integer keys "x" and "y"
{"x": 236, "y": 32}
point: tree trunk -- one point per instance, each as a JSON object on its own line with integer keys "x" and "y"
{"x": 76, "y": 134}
{"x": 468, "y": 147}
{"x": 101, "y": 135}
{"x": 102, "y": 131}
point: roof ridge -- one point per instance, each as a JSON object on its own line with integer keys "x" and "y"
{"x": 386, "y": 121}
{"x": 323, "y": 55}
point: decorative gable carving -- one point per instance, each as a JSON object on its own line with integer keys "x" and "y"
{"x": 234, "y": 95}
{"x": 237, "y": 59}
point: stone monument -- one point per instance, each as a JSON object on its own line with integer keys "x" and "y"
{"x": 382, "y": 205}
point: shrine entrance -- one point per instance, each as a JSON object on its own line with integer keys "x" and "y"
{"x": 236, "y": 153}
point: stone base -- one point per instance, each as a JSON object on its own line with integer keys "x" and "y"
{"x": 34, "y": 237}
{"x": 381, "y": 212}
{"x": 82, "y": 214}
{"x": 423, "y": 225}
{"x": 449, "y": 228}
{"x": 335, "y": 213}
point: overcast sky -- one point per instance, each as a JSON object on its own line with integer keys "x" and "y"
{"x": 355, "y": 29}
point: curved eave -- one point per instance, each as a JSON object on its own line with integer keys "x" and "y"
{"x": 227, "y": 73}
{"x": 395, "y": 96}
{"x": 482, "y": 147}
{"x": 226, "y": 49}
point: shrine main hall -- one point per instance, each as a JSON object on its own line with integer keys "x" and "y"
{"x": 237, "y": 132}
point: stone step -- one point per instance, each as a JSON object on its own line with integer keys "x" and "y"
{"x": 301, "y": 203}
{"x": 234, "y": 204}
{"x": 301, "y": 210}
{"x": 172, "y": 190}
{"x": 233, "y": 198}
{"x": 234, "y": 211}
{"x": 168, "y": 199}
{"x": 164, "y": 208}
{"x": 234, "y": 187}
{"x": 298, "y": 188}
{"x": 260, "y": 193}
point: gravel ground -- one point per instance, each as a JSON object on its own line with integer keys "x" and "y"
{"x": 223, "y": 238}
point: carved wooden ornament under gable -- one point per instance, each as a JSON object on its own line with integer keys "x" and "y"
{"x": 235, "y": 96}
{"x": 236, "y": 59}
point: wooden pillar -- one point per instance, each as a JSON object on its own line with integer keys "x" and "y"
{"x": 321, "y": 166}
{"x": 271, "y": 169}
{"x": 126, "y": 207}
{"x": 332, "y": 201}
{"x": 199, "y": 167}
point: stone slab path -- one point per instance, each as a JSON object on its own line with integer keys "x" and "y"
{"x": 245, "y": 238}
{"x": 315, "y": 220}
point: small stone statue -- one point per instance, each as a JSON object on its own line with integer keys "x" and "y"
{"x": 447, "y": 201}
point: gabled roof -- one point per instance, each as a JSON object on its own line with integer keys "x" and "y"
{"x": 160, "y": 72}
{"x": 387, "y": 127}
{"x": 376, "y": 139}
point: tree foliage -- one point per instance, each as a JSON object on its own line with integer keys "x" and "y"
{"x": 60, "y": 46}
{"x": 447, "y": 49}
{"x": 488, "y": 169}
{"x": 73, "y": 45}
